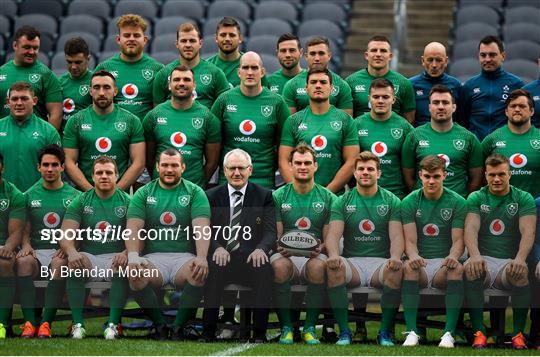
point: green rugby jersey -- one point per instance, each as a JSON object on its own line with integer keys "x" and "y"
{"x": 254, "y": 125}
{"x": 366, "y": 222}
{"x": 327, "y": 134}
{"x": 98, "y": 214}
{"x": 523, "y": 151}
{"x": 170, "y": 214}
{"x": 76, "y": 94}
{"x": 305, "y": 212}
{"x": 12, "y": 206}
{"x": 186, "y": 130}
{"x": 277, "y": 81}
{"x": 229, "y": 68}
{"x": 499, "y": 234}
{"x": 45, "y": 210}
{"x": 360, "y": 82}
{"x": 134, "y": 81}
{"x": 460, "y": 149}
{"x": 385, "y": 139}
{"x": 434, "y": 220}
{"x": 210, "y": 82}
{"x": 20, "y": 144}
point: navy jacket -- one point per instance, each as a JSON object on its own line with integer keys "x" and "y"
{"x": 534, "y": 89}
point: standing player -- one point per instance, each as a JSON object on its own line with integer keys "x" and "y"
{"x": 46, "y": 203}
{"x": 133, "y": 69}
{"x": 301, "y": 205}
{"x": 252, "y": 118}
{"x": 383, "y": 132}
{"x": 318, "y": 55}
{"x": 76, "y": 81}
{"x": 442, "y": 137}
{"x": 199, "y": 140}
{"x": 378, "y": 55}
{"x": 369, "y": 219}
{"x": 12, "y": 220}
{"x": 329, "y": 131}
{"x": 228, "y": 38}
{"x": 288, "y": 51}
{"x": 179, "y": 212}
{"x": 499, "y": 235}
{"x": 433, "y": 218}
{"x": 22, "y": 134}
{"x": 104, "y": 129}
{"x": 209, "y": 80}
{"x": 534, "y": 89}
{"x": 103, "y": 210}
{"x": 519, "y": 141}
{"x": 26, "y": 67}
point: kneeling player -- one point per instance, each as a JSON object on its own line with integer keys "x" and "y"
{"x": 101, "y": 212}
{"x": 369, "y": 219}
{"x": 177, "y": 211}
{"x": 46, "y": 203}
{"x": 301, "y": 205}
{"x": 433, "y": 219}
{"x": 499, "y": 235}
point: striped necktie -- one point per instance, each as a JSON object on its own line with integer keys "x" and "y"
{"x": 233, "y": 243}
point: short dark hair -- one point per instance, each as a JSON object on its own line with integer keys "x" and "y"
{"x": 319, "y": 70}
{"x": 104, "y": 160}
{"x": 183, "y": 68}
{"x": 228, "y": 21}
{"x": 381, "y": 83}
{"x": 29, "y": 32}
{"x": 520, "y": 93}
{"x": 492, "y": 39}
{"x": 188, "y": 27}
{"x": 288, "y": 37}
{"x": 170, "y": 152}
{"x": 379, "y": 38}
{"x": 303, "y": 148}
{"x": 366, "y": 156}
{"x": 54, "y": 150}
{"x": 440, "y": 88}
{"x": 76, "y": 45}
{"x": 318, "y": 40}
{"x": 103, "y": 73}
{"x": 496, "y": 160}
{"x": 432, "y": 163}
{"x": 21, "y": 86}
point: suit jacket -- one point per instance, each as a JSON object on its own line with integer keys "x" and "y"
{"x": 257, "y": 213}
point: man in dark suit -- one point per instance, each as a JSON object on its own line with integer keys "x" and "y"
{"x": 243, "y": 235}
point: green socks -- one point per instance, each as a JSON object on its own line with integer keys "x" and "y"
{"x": 474, "y": 291}
{"x": 340, "y": 304}
{"x": 453, "y": 302}
{"x": 521, "y": 298}
{"x": 53, "y": 299}
{"x": 315, "y": 295}
{"x": 76, "y": 292}
{"x": 117, "y": 298}
{"x": 390, "y": 300}
{"x": 411, "y": 299}
{"x": 27, "y": 293}
{"x": 147, "y": 299}
{"x": 7, "y": 295}
{"x": 282, "y": 303}
{"x": 189, "y": 301}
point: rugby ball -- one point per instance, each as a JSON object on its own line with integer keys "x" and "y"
{"x": 298, "y": 243}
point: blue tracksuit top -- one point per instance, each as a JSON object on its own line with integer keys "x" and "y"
{"x": 534, "y": 89}
{"x": 422, "y": 84}
{"x": 482, "y": 101}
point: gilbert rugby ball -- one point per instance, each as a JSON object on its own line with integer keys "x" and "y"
{"x": 298, "y": 243}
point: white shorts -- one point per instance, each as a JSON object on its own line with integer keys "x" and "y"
{"x": 366, "y": 267}
{"x": 494, "y": 267}
{"x": 102, "y": 262}
{"x": 431, "y": 269}
{"x": 44, "y": 256}
{"x": 299, "y": 264}
{"x": 168, "y": 264}
{"x": 145, "y": 177}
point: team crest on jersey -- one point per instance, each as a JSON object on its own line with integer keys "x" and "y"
{"x": 4, "y": 204}
{"x": 396, "y": 133}
{"x": 84, "y": 89}
{"x": 66, "y": 202}
{"x": 512, "y": 208}
{"x": 197, "y": 123}
{"x": 34, "y": 77}
{"x": 266, "y": 110}
{"x": 446, "y": 213}
{"x": 535, "y": 144}
{"x": 205, "y": 79}
{"x": 459, "y": 144}
{"x": 335, "y": 91}
{"x": 183, "y": 200}
{"x": 120, "y": 211}
{"x": 396, "y": 89}
{"x": 336, "y": 125}
{"x": 318, "y": 207}
{"x": 382, "y": 210}
{"x": 120, "y": 126}
{"x": 147, "y": 74}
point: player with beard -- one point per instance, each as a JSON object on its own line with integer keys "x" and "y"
{"x": 104, "y": 129}
{"x": 185, "y": 124}
{"x": 179, "y": 211}
{"x": 210, "y": 81}
{"x": 288, "y": 51}
{"x": 228, "y": 38}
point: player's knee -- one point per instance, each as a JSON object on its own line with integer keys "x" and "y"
{"x": 315, "y": 271}
{"x": 408, "y": 272}
{"x": 57, "y": 263}
{"x": 393, "y": 278}
{"x": 283, "y": 270}
{"x": 335, "y": 277}
{"x": 6, "y": 267}
{"x": 25, "y": 265}
{"x": 523, "y": 280}
{"x": 456, "y": 273}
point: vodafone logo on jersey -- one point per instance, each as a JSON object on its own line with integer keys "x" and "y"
{"x": 130, "y": 91}
{"x": 303, "y": 223}
{"x": 69, "y": 105}
{"x": 445, "y": 158}
{"x": 518, "y": 160}
{"x": 366, "y": 226}
{"x": 319, "y": 142}
{"x": 51, "y": 220}
{"x": 379, "y": 148}
{"x": 247, "y": 127}
{"x": 167, "y": 218}
{"x": 496, "y": 227}
{"x": 103, "y": 144}
{"x": 102, "y": 226}
{"x": 430, "y": 230}
{"x": 178, "y": 139}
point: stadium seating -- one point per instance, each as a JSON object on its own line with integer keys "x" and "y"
{"x": 49, "y": 7}
{"x": 99, "y": 8}
{"x": 235, "y": 8}
{"x": 527, "y": 70}
{"x": 192, "y": 9}
{"x": 325, "y": 10}
{"x": 279, "y": 9}
{"x": 522, "y": 49}
{"x": 474, "y": 31}
{"x": 524, "y": 14}
{"x": 167, "y": 25}
{"x": 477, "y": 13}
{"x": 94, "y": 44}
{"x": 262, "y": 44}
{"x": 147, "y": 9}
{"x": 45, "y": 23}
{"x": 522, "y": 31}
{"x": 9, "y": 8}
{"x": 88, "y": 23}
{"x": 270, "y": 27}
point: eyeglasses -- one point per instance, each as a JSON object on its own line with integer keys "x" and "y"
{"x": 234, "y": 168}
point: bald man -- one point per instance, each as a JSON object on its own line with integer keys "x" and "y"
{"x": 434, "y": 61}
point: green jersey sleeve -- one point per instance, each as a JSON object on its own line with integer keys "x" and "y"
{"x": 53, "y": 88}
{"x": 160, "y": 91}
{"x": 18, "y": 205}
{"x": 287, "y": 134}
{"x": 351, "y": 135}
{"x": 214, "y": 128}
{"x": 276, "y": 195}
{"x": 336, "y": 214}
{"x": 408, "y": 97}
{"x": 137, "y": 206}
{"x": 407, "y": 152}
{"x": 527, "y": 206}
{"x": 137, "y": 134}
{"x": 289, "y": 94}
{"x": 460, "y": 213}
{"x": 395, "y": 214}
{"x": 71, "y": 132}
{"x": 473, "y": 202}
{"x": 74, "y": 210}
{"x": 283, "y": 113}
{"x": 408, "y": 208}
{"x": 200, "y": 207}
{"x": 345, "y": 100}
{"x": 148, "y": 125}
{"x": 476, "y": 157}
